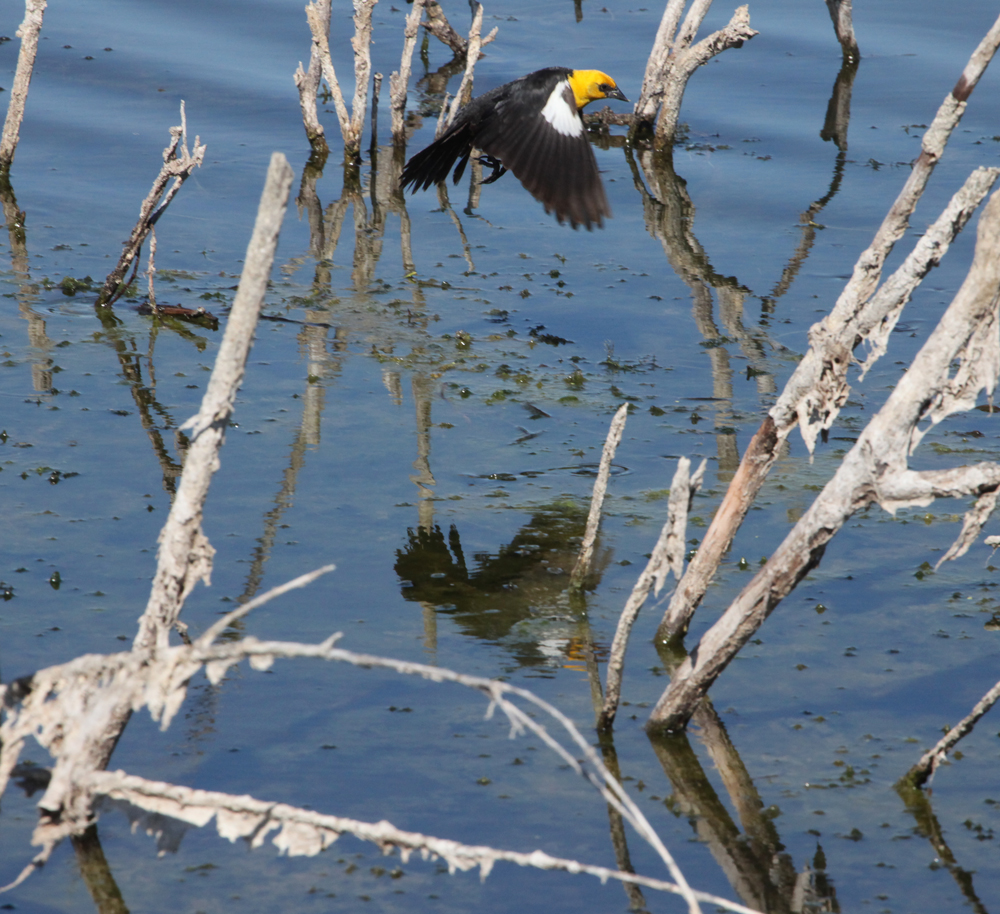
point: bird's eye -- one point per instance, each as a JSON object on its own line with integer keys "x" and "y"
{"x": 605, "y": 88}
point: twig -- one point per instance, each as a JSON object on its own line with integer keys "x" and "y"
{"x": 475, "y": 43}
{"x": 439, "y": 26}
{"x": 668, "y": 555}
{"x": 597, "y": 500}
{"x": 843, "y": 26}
{"x": 302, "y": 832}
{"x": 185, "y": 555}
{"x": 923, "y": 771}
{"x": 376, "y": 89}
{"x": 308, "y": 81}
{"x": 151, "y": 270}
{"x": 318, "y": 16}
{"x": 875, "y": 469}
{"x": 34, "y": 13}
{"x": 178, "y": 163}
{"x": 673, "y": 60}
{"x": 399, "y": 81}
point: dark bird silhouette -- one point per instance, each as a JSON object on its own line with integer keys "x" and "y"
{"x": 532, "y": 127}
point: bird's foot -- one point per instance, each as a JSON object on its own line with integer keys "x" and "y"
{"x": 499, "y": 169}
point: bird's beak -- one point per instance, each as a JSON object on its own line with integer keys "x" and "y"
{"x": 616, "y": 93}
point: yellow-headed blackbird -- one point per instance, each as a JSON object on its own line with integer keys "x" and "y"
{"x": 533, "y": 127}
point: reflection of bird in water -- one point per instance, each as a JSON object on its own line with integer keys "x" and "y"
{"x": 515, "y": 596}
{"x": 533, "y": 127}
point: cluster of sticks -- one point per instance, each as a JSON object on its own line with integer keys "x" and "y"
{"x": 960, "y": 360}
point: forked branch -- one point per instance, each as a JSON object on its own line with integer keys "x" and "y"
{"x": 178, "y": 163}
{"x": 674, "y": 59}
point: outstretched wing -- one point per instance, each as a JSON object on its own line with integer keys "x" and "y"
{"x": 538, "y": 134}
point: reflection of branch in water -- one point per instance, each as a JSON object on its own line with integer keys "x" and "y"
{"x": 838, "y": 111}
{"x": 669, "y": 217}
{"x": 442, "y": 193}
{"x": 153, "y": 416}
{"x": 918, "y": 805}
{"x": 809, "y": 227}
{"x": 97, "y": 874}
{"x": 753, "y": 861}
{"x": 619, "y": 839}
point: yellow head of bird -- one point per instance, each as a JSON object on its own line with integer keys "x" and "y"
{"x": 590, "y": 85}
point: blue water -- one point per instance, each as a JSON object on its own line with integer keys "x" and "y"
{"x": 364, "y": 418}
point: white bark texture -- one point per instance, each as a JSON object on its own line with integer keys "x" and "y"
{"x": 818, "y": 388}
{"x": 674, "y": 59}
{"x": 31, "y": 27}
{"x": 308, "y": 81}
{"x": 611, "y": 443}
{"x": 400, "y": 80}
{"x": 185, "y": 555}
{"x": 875, "y": 469}
{"x": 668, "y": 556}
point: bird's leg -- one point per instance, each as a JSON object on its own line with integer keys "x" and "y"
{"x": 498, "y": 168}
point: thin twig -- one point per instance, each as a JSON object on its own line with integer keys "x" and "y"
{"x": 308, "y": 81}
{"x": 923, "y": 771}
{"x": 151, "y": 271}
{"x": 668, "y": 555}
{"x": 399, "y": 80}
{"x": 178, "y": 163}
{"x": 34, "y": 13}
{"x": 597, "y": 500}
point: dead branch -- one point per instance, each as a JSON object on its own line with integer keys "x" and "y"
{"x": 178, "y": 163}
{"x": 58, "y": 706}
{"x": 597, "y": 499}
{"x": 399, "y": 81}
{"x": 843, "y": 26}
{"x": 924, "y": 770}
{"x": 673, "y": 60}
{"x": 825, "y": 366}
{"x": 439, "y": 26}
{"x": 668, "y": 555}
{"x": 318, "y": 16}
{"x": 34, "y": 13}
{"x": 185, "y": 555}
{"x": 152, "y": 805}
{"x": 308, "y": 81}
{"x": 472, "y": 55}
{"x": 875, "y": 469}
{"x": 361, "y": 43}
{"x": 151, "y": 271}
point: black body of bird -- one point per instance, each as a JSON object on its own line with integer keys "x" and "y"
{"x": 533, "y": 127}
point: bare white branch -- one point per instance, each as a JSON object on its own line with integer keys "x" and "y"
{"x": 31, "y": 27}
{"x": 400, "y": 80}
{"x": 668, "y": 555}
{"x": 875, "y": 469}
{"x": 302, "y": 832}
{"x": 178, "y": 163}
{"x": 923, "y": 771}
{"x": 185, "y": 555}
{"x": 597, "y": 499}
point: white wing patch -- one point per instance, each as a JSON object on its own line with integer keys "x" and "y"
{"x": 561, "y": 113}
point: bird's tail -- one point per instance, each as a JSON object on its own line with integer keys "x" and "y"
{"x": 432, "y": 164}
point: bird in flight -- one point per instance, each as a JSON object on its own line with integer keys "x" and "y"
{"x": 532, "y": 127}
